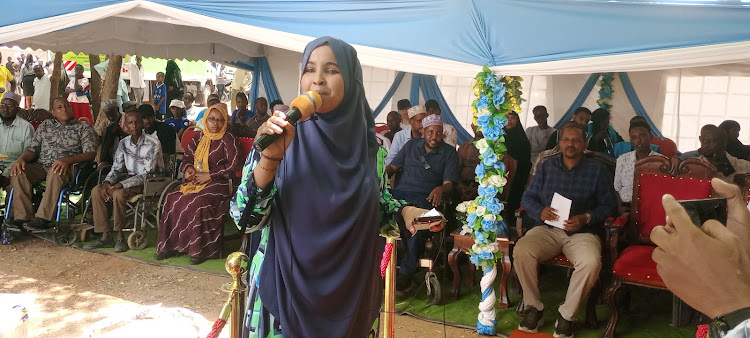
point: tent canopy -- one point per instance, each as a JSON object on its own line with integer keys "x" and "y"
{"x": 440, "y": 37}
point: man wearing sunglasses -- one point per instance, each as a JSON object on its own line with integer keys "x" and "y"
{"x": 430, "y": 171}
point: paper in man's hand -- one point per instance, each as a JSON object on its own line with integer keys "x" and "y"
{"x": 562, "y": 206}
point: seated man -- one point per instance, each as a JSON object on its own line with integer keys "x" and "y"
{"x": 713, "y": 150}
{"x": 450, "y": 135}
{"x": 139, "y": 154}
{"x": 430, "y": 169}
{"x": 393, "y": 120}
{"x": 113, "y": 133}
{"x": 640, "y": 138}
{"x": 621, "y": 148}
{"x": 414, "y": 130}
{"x": 166, "y": 135}
{"x": 178, "y": 121}
{"x": 589, "y": 186}
{"x": 581, "y": 115}
{"x": 734, "y": 145}
{"x": 402, "y": 106}
{"x": 603, "y": 136}
{"x": 540, "y": 134}
{"x": 15, "y": 135}
{"x": 58, "y": 144}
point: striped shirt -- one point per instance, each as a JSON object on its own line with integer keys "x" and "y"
{"x": 139, "y": 159}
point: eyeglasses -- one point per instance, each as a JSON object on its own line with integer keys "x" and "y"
{"x": 424, "y": 161}
{"x": 6, "y": 106}
{"x": 215, "y": 120}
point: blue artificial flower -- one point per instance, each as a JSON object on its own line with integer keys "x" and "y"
{"x": 489, "y": 159}
{"x": 484, "y": 102}
{"x": 490, "y": 81}
{"x": 479, "y": 237}
{"x": 500, "y": 121}
{"x": 490, "y": 192}
{"x": 498, "y": 99}
{"x": 499, "y": 165}
{"x": 483, "y": 121}
{"x": 498, "y": 88}
{"x": 495, "y": 207}
{"x": 471, "y": 218}
{"x": 480, "y": 190}
{"x": 480, "y": 171}
{"x": 475, "y": 260}
{"x": 492, "y": 133}
{"x": 486, "y": 255}
{"x": 489, "y": 226}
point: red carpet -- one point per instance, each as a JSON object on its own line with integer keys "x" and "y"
{"x": 521, "y": 334}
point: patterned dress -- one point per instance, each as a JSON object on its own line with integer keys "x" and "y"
{"x": 193, "y": 223}
{"x": 259, "y": 322}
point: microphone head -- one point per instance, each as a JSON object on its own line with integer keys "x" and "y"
{"x": 307, "y": 103}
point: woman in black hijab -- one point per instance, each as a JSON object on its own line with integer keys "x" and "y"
{"x": 519, "y": 148}
{"x": 315, "y": 266}
{"x": 173, "y": 80}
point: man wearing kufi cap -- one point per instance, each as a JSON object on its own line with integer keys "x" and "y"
{"x": 429, "y": 172}
{"x": 113, "y": 132}
{"x": 16, "y": 134}
{"x": 414, "y": 130}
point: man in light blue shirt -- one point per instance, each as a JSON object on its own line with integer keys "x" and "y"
{"x": 414, "y": 130}
{"x": 15, "y": 135}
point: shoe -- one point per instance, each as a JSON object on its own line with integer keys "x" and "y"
{"x": 403, "y": 284}
{"x": 164, "y": 255}
{"x": 563, "y": 327}
{"x": 532, "y": 320}
{"x": 121, "y": 246}
{"x": 195, "y": 260}
{"x": 15, "y": 223}
{"x": 38, "y": 224}
{"x": 98, "y": 244}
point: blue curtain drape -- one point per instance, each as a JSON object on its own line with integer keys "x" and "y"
{"x": 431, "y": 90}
{"x": 585, "y": 91}
{"x": 414, "y": 94}
{"x": 636, "y": 102}
{"x": 389, "y": 94}
{"x": 262, "y": 72}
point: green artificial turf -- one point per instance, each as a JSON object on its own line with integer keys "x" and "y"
{"x": 649, "y": 315}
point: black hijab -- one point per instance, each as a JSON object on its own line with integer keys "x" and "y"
{"x": 320, "y": 276}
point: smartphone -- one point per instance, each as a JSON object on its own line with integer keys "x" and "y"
{"x": 702, "y": 210}
{"x": 428, "y": 219}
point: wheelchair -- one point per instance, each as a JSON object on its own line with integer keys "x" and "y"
{"x": 72, "y": 200}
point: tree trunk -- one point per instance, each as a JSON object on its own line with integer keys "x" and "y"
{"x": 112, "y": 79}
{"x": 95, "y": 87}
{"x": 54, "y": 88}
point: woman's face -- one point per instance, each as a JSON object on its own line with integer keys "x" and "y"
{"x": 215, "y": 121}
{"x": 512, "y": 122}
{"x": 323, "y": 76}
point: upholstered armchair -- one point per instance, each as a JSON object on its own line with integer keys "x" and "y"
{"x": 654, "y": 177}
{"x": 561, "y": 260}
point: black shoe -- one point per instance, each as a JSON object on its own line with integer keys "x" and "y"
{"x": 121, "y": 246}
{"x": 403, "y": 284}
{"x": 532, "y": 320}
{"x": 98, "y": 244}
{"x": 195, "y": 260}
{"x": 15, "y": 223}
{"x": 563, "y": 327}
{"x": 164, "y": 255}
{"x": 38, "y": 224}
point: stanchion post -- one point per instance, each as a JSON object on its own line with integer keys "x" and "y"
{"x": 236, "y": 265}
{"x": 390, "y": 292}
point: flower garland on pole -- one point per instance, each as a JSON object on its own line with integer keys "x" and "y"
{"x": 496, "y": 97}
{"x": 605, "y": 91}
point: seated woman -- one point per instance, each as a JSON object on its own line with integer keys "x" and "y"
{"x": 193, "y": 215}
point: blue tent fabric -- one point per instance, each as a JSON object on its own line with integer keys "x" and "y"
{"x": 389, "y": 94}
{"x": 262, "y": 72}
{"x": 636, "y": 103}
{"x": 585, "y": 91}
{"x": 431, "y": 90}
{"x": 472, "y": 32}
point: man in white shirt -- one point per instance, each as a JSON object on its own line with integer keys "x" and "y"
{"x": 137, "y": 82}
{"x": 450, "y": 135}
{"x": 414, "y": 130}
{"x": 191, "y": 111}
{"x": 41, "y": 88}
{"x": 539, "y": 135}
{"x": 640, "y": 138}
{"x": 403, "y": 106}
{"x": 15, "y": 134}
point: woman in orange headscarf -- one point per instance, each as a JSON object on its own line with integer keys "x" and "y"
{"x": 193, "y": 215}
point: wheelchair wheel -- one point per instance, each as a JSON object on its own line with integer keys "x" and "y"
{"x": 162, "y": 199}
{"x": 434, "y": 292}
{"x": 64, "y": 235}
{"x": 137, "y": 240}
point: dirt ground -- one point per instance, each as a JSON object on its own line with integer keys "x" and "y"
{"x": 73, "y": 289}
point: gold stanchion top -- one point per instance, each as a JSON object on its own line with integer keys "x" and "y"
{"x": 236, "y": 265}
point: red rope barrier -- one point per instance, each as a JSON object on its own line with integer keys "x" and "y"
{"x": 702, "y": 331}
{"x": 216, "y": 328}
{"x": 386, "y": 258}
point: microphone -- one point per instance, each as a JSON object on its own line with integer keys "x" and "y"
{"x": 301, "y": 108}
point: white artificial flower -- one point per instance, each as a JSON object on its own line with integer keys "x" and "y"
{"x": 489, "y": 217}
{"x": 475, "y": 248}
{"x": 463, "y": 207}
{"x": 482, "y": 145}
{"x": 497, "y": 180}
{"x": 465, "y": 229}
{"x": 492, "y": 247}
{"x": 480, "y": 210}
{"x": 483, "y": 112}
